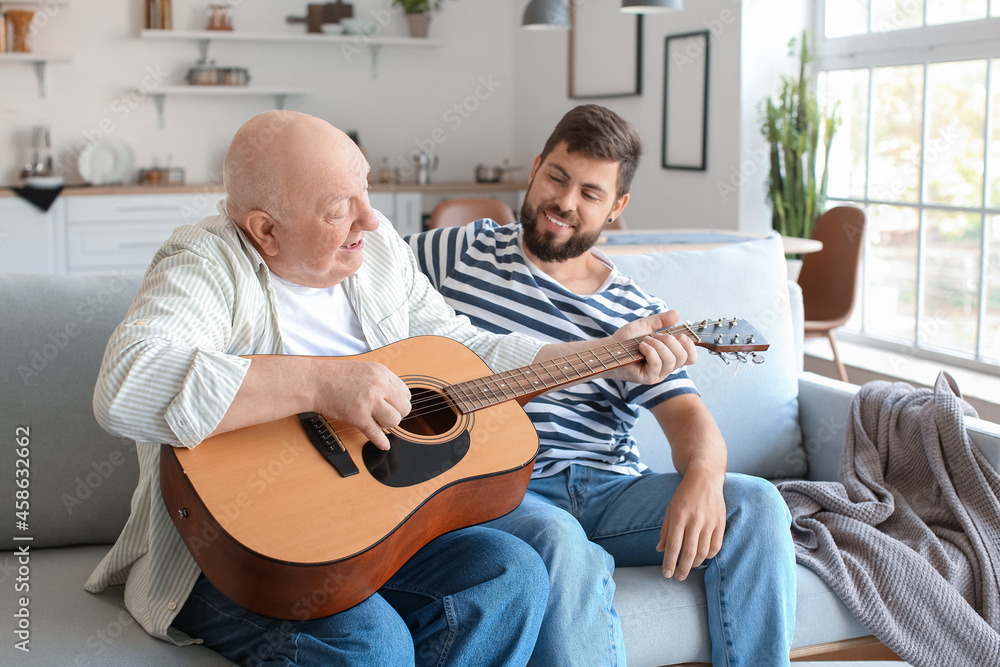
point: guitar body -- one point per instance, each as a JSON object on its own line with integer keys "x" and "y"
{"x": 276, "y": 527}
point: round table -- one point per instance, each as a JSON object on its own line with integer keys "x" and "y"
{"x": 668, "y": 240}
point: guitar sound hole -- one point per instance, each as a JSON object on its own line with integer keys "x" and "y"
{"x": 430, "y": 413}
{"x": 407, "y": 463}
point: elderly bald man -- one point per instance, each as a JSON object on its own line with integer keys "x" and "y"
{"x": 298, "y": 263}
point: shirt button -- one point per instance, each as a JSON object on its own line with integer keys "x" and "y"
{"x": 171, "y": 606}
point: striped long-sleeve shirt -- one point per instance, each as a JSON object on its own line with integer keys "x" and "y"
{"x": 173, "y": 367}
{"x": 482, "y": 272}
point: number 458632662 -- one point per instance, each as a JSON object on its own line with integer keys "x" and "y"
{"x": 22, "y": 465}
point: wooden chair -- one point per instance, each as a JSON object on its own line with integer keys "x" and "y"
{"x": 829, "y": 277}
{"x": 455, "y": 212}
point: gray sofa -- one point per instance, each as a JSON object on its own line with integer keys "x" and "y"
{"x": 778, "y": 422}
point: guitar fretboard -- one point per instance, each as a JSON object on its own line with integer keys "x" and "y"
{"x": 494, "y": 389}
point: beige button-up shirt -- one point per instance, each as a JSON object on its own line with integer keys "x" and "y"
{"x": 173, "y": 367}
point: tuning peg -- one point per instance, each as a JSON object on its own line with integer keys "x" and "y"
{"x": 720, "y": 356}
{"x": 756, "y": 358}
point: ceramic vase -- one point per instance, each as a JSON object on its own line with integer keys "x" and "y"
{"x": 419, "y": 24}
{"x": 20, "y": 21}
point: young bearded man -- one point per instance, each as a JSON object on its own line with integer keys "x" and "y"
{"x": 591, "y": 502}
{"x": 297, "y": 263}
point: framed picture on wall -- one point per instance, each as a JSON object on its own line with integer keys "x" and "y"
{"x": 605, "y": 51}
{"x": 685, "y": 101}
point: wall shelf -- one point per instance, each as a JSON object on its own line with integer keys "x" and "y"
{"x": 357, "y": 43}
{"x": 39, "y": 61}
{"x": 280, "y": 94}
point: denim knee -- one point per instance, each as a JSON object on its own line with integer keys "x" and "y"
{"x": 564, "y": 546}
{"x": 756, "y": 501}
{"x": 386, "y": 642}
{"x": 510, "y": 563}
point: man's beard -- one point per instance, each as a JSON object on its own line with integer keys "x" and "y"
{"x": 541, "y": 243}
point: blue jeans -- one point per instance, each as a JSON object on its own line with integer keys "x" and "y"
{"x": 471, "y": 597}
{"x": 583, "y": 521}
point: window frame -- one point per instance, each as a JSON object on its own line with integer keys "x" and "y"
{"x": 923, "y": 46}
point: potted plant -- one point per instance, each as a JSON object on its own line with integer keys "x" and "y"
{"x": 793, "y": 125}
{"x": 418, "y": 14}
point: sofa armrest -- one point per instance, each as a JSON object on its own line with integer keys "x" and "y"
{"x": 824, "y": 410}
{"x": 824, "y": 407}
{"x": 986, "y": 436}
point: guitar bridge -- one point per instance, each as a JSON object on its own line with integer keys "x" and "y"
{"x": 327, "y": 443}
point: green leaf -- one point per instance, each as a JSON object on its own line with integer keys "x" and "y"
{"x": 792, "y": 125}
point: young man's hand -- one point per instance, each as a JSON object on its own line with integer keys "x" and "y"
{"x": 663, "y": 352}
{"x": 694, "y": 524}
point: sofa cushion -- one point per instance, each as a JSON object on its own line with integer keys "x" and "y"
{"x": 651, "y": 606}
{"x": 53, "y": 337}
{"x": 756, "y": 408}
{"x": 70, "y": 626}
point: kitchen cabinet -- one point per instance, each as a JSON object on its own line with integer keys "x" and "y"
{"x": 409, "y": 210}
{"x": 28, "y": 240}
{"x": 384, "y": 203}
{"x": 401, "y": 208}
{"x": 100, "y": 230}
{"x": 121, "y": 233}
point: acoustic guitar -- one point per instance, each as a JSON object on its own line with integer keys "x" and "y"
{"x": 302, "y": 517}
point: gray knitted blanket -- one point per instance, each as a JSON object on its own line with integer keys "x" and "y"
{"x": 909, "y": 538}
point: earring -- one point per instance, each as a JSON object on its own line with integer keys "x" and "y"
{"x": 610, "y": 220}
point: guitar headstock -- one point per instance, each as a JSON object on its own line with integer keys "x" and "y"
{"x": 732, "y": 336}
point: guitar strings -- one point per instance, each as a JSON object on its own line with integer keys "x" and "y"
{"x": 499, "y": 383}
{"x": 418, "y": 407}
{"x": 524, "y": 379}
{"x": 499, "y": 391}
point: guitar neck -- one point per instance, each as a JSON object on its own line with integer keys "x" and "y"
{"x": 522, "y": 384}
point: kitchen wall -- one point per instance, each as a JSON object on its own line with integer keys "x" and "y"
{"x": 492, "y": 91}
{"x": 747, "y": 55}
{"x": 415, "y": 93}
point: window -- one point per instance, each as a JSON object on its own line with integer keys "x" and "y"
{"x": 917, "y": 83}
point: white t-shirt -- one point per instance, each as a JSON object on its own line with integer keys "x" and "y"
{"x": 317, "y": 320}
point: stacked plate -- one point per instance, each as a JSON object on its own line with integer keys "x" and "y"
{"x": 42, "y": 182}
{"x": 105, "y": 162}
